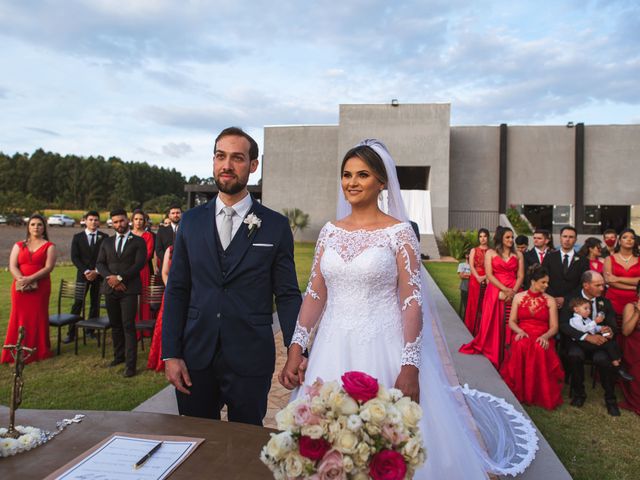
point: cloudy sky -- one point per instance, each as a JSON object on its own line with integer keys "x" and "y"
{"x": 154, "y": 80}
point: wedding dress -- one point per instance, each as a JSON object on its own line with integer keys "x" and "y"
{"x": 367, "y": 301}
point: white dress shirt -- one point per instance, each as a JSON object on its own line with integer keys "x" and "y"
{"x": 88, "y": 233}
{"x": 241, "y": 210}
{"x": 124, "y": 242}
{"x": 571, "y": 253}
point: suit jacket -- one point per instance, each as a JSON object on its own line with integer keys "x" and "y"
{"x": 84, "y": 256}
{"x": 127, "y": 265}
{"x": 164, "y": 239}
{"x": 562, "y": 284}
{"x": 205, "y": 306}
{"x": 602, "y": 305}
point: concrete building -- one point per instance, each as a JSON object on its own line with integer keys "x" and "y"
{"x": 587, "y": 176}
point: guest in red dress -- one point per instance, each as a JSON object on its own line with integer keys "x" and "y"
{"x": 505, "y": 272}
{"x": 631, "y": 354}
{"x": 592, "y": 250}
{"x": 30, "y": 263}
{"x": 532, "y": 368}
{"x": 477, "y": 282}
{"x": 155, "y": 352}
{"x": 622, "y": 272}
{"x": 139, "y": 224}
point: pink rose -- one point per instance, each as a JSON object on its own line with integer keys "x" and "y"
{"x": 304, "y": 416}
{"x": 360, "y": 386}
{"x": 387, "y": 465}
{"x": 313, "y": 449}
{"x": 391, "y": 433}
{"x": 331, "y": 467}
{"x": 314, "y": 390}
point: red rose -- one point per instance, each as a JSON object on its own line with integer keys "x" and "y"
{"x": 313, "y": 449}
{"x": 360, "y": 386}
{"x": 387, "y": 465}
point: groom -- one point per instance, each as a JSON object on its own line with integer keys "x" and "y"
{"x": 230, "y": 258}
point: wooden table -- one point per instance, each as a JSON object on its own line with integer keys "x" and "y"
{"x": 230, "y": 450}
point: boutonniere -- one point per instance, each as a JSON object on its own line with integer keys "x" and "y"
{"x": 600, "y": 304}
{"x": 253, "y": 222}
{"x": 576, "y": 258}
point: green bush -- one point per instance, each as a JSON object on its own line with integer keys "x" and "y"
{"x": 455, "y": 242}
{"x": 521, "y": 227}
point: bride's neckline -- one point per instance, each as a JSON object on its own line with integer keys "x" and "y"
{"x": 365, "y": 229}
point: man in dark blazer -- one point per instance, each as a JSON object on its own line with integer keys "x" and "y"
{"x": 536, "y": 255}
{"x": 120, "y": 260}
{"x": 580, "y": 346}
{"x": 167, "y": 234}
{"x": 230, "y": 258}
{"x": 565, "y": 267}
{"x": 84, "y": 253}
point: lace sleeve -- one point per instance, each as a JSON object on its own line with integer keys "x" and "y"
{"x": 410, "y": 294}
{"x": 314, "y": 299}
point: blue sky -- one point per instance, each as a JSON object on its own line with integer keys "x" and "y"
{"x": 155, "y": 80}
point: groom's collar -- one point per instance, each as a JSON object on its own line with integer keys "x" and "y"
{"x": 241, "y": 208}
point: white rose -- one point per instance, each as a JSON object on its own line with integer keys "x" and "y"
{"x": 372, "y": 429}
{"x": 412, "y": 448}
{"x": 393, "y": 415}
{"x": 317, "y": 406}
{"x": 347, "y": 463}
{"x": 285, "y": 419}
{"x": 383, "y": 394}
{"x": 376, "y": 411}
{"x": 327, "y": 389}
{"x": 346, "y": 442}
{"x": 8, "y": 446}
{"x": 360, "y": 476}
{"x": 313, "y": 431}
{"x": 395, "y": 394}
{"x": 293, "y": 465}
{"x": 362, "y": 454}
{"x": 279, "y": 445}
{"x": 343, "y": 404}
{"x": 354, "y": 423}
{"x": 410, "y": 411}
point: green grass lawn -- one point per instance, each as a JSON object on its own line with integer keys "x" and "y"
{"x": 591, "y": 444}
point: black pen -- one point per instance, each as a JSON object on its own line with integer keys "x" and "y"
{"x": 140, "y": 462}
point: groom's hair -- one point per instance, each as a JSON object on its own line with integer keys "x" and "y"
{"x": 238, "y": 132}
{"x": 369, "y": 156}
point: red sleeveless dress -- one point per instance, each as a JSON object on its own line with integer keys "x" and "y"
{"x": 145, "y": 280}
{"x": 618, "y": 297}
{"x": 533, "y": 374}
{"x": 155, "y": 351}
{"x": 30, "y": 309}
{"x": 475, "y": 296}
{"x": 493, "y": 335}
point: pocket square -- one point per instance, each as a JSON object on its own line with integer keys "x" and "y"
{"x": 262, "y": 244}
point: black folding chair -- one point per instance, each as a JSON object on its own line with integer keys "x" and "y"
{"x": 69, "y": 290}
{"x": 99, "y": 325}
{"x": 151, "y": 295}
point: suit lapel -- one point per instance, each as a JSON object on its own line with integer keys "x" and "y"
{"x": 242, "y": 239}
{"x": 211, "y": 234}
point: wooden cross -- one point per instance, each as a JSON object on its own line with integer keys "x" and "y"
{"x": 18, "y": 353}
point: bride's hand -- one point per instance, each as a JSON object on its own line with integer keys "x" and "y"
{"x": 408, "y": 382}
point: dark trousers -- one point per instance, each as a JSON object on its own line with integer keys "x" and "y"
{"x": 93, "y": 288}
{"x": 577, "y": 352}
{"x": 122, "y": 316}
{"x": 217, "y": 385}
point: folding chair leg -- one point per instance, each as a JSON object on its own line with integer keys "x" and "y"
{"x": 76, "y": 341}
{"x": 59, "y": 341}
{"x": 84, "y": 336}
{"x": 142, "y": 340}
{"x": 104, "y": 344}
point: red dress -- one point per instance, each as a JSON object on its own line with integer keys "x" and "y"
{"x": 596, "y": 265}
{"x": 617, "y": 296}
{"x": 30, "y": 309}
{"x": 475, "y": 296}
{"x": 533, "y": 374}
{"x": 155, "y": 352}
{"x": 493, "y": 335}
{"x": 631, "y": 358}
{"x": 145, "y": 279}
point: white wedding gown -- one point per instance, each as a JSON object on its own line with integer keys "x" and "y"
{"x": 365, "y": 297}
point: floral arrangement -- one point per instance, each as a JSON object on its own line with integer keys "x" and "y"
{"x": 357, "y": 430}
{"x": 30, "y": 437}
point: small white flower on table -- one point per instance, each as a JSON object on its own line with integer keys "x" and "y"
{"x": 253, "y": 222}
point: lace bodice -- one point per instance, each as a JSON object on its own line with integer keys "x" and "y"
{"x": 365, "y": 283}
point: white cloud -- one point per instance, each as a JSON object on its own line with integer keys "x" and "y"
{"x": 176, "y": 150}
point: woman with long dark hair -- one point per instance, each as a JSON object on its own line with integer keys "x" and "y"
{"x": 531, "y": 368}
{"x": 477, "y": 282}
{"x": 592, "y": 250}
{"x": 622, "y": 271}
{"x": 505, "y": 273}
{"x": 139, "y": 224}
{"x": 30, "y": 264}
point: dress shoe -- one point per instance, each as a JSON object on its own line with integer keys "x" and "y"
{"x": 613, "y": 410}
{"x": 129, "y": 372}
{"x": 577, "y": 401}
{"x": 115, "y": 363}
{"x": 623, "y": 374}
{"x": 68, "y": 339}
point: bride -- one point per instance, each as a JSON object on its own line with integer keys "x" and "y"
{"x": 367, "y": 297}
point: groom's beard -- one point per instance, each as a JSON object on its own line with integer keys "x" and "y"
{"x": 231, "y": 187}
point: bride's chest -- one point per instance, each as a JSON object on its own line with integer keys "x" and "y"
{"x": 367, "y": 264}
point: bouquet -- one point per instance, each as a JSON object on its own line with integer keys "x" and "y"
{"x": 357, "y": 430}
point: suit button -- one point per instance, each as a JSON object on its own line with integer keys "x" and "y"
{"x": 218, "y": 315}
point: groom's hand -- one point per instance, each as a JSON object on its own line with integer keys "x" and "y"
{"x": 176, "y": 372}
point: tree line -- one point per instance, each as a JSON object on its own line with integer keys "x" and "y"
{"x": 31, "y": 183}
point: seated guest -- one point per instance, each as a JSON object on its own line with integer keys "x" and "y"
{"x": 581, "y": 320}
{"x": 622, "y": 271}
{"x": 464, "y": 272}
{"x": 631, "y": 357}
{"x": 585, "y": 345}
{"x": 522, "y": 243}
{"x": 477, "y": 282}
{"x": 592, "y": 251}
{"x": 565, "y": 267}
{"x": 609, "y": 237}
{"x": 532, "y": 369}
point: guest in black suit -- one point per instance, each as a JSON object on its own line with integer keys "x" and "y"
{"x": 583, "y": 345}
{"x": 166, "y": 235}
{"x": 565, "y": 267}
{"x": 536, "y": 255}
{"x": 119, "y": 262}
{"x": 84, "y": 253}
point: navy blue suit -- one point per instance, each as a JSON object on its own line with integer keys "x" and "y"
{"x": 218, "y": 310}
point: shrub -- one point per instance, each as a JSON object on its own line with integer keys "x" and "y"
{"x": 521, "y": 227}
{"x": 298, "y": 220}
{"x": 456, "y": 242}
